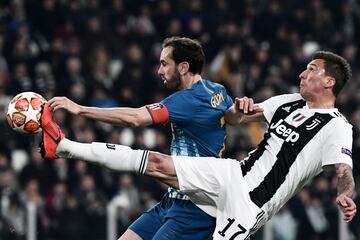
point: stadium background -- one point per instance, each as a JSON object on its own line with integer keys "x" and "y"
{"x": 105, "y": 54}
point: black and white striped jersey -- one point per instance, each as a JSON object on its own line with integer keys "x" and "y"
{"x": 298, "y": 143}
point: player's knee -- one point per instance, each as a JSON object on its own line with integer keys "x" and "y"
{"x": 130, "y": 235}
{"x": 160, "y": 166}
{"x": 157, "y": 162}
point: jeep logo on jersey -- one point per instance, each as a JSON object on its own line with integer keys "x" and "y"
{"x": 282, "y": 131}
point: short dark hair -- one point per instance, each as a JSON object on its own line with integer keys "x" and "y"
{"x": 336, "y": 67}
{"x": 186, "y": 50}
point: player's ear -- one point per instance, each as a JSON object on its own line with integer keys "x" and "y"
{"x": 330, "y": 82}
{"x": 183, "y": 68}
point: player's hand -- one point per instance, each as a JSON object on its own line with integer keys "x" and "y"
{"x": 247, "y": 106}
{"x": 347, "y": 206}
{"x": 64, "y": 103}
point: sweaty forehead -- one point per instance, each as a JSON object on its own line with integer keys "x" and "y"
{"x": 166, "y": 54}
{"x": 319, "y": 63}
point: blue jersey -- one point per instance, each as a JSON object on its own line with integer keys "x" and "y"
{"x": 197, "y": 119}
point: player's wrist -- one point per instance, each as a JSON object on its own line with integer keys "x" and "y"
{"x": 80, "y": 110}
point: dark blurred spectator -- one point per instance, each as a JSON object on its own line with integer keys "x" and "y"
{"x": 102, "y": 98}
{"x": 128, "y": 200}
{"x": 73, "y": 76}
{"x": 72, "y": 223}
{"x": 355, "y": 223}
{"x": 32, "y": 194}
{"x": 37, "y": 169}
{"x": 21, "y": 81}
{"x": 8, "y": 179}
{"x": 92, "y": 201}
{"x": 14, "y": 218}
{"x": 4, "y": 100}
{"x": 284, "y": 225}
{"x": 61, "y": 170}
{"x": 44, "y": 78}
{"x": 313, "y": 217}
{"x": 163, "y": 14}
{"x": 46, "y": 16}
{"x": 55, "y": 204}
{"x": 174, "y": 28}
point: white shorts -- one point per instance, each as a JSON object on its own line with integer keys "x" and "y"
{"x": 218, "y": 188}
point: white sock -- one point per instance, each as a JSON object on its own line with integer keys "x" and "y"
{"x": 112, "y": 156}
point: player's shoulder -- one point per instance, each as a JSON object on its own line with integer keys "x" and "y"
{"x": 338, "y": 127}
{"x": 279, "y": 100}
{"x": 201, "y": 89}
{"x": 210, "y": 85}
{"x": 340, "y": 119}
{"x": 289, "y": 97}
{"x": 188, "y": 95}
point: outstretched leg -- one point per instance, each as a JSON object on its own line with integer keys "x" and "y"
{"x": 122, "y": 158}
{"x": 112, "y": 156}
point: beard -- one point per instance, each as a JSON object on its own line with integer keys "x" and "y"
{"x": 173, "y": 82}
{"x": 306, "y": 95}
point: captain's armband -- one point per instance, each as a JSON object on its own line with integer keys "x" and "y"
{"x": 159, "y": 113}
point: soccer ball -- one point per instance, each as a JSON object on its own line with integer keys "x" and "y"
{"x": 24, "y": 112}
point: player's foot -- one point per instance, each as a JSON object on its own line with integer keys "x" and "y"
{"x": 51, "y": 134}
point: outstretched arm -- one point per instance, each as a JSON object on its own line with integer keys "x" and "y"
{"x": 134, "y": 117}
{"x": 244, "y": 110}
{"x": 346, "y": 188}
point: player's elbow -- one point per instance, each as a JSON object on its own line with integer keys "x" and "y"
{"x": 139, "y": 117}
{"x": 138, "y": 121}
{"x": 135, "y": 123}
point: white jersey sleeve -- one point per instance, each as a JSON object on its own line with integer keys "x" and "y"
{"x": 270, "y": 105}
{"x": 337, "y": 147}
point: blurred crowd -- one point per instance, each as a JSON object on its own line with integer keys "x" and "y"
{"x": 105, "y": 53}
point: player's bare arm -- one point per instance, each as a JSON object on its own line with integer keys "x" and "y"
{"x": 346, "y": 188}
{"x": 64, "y": 103}
{"x": 244, "y": 110}
{"x": 346, "y": 184}
{"x": 134, "y": 117}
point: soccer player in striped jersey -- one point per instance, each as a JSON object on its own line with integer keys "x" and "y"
{"x": 306, "y": 135}
{"x": 196, "y": 113}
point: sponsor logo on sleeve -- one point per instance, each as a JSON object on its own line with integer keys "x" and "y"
{"x": 155, "y": 106}
{"x": 346, "y": 151}
{"x": 217, "y": 99}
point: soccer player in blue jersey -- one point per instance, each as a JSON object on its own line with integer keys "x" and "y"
{"x": 195, "y": 112}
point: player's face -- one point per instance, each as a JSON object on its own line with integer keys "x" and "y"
{"x": 312, "y": 79}
{"x": 168, "y": 71}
